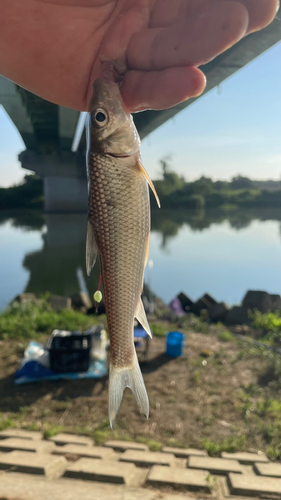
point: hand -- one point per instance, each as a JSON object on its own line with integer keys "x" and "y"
{"x": 53, "y": 47}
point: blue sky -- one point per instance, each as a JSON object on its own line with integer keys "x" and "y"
{"x": 236, "y": 130}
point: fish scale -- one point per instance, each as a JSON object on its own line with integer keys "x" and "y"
{"x": 118, "y": 231}
{"x": 119, "y": 216}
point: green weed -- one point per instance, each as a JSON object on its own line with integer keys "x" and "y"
{"x": 229, "y": 445}
{"x": 158, "y": 330}
{"x": 151, "y": 443}
{"x": 226, "y": 336}
{"x": 52, "y": 430}
{"x": 27, "y": 320}
{"x": 269, "y": 323}
{"x": 5, "y": 423}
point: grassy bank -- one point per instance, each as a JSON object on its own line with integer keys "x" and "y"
{"x": 223, "y": 394}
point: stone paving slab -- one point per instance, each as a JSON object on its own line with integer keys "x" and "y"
{"x": 245, "y": 458}
{"x": 176, "y": 496}
{"x": 215, "y": 465}
{"x": 84, "y": 451}
{"x": 21, "y": 434}
{"x": 14, "y": 486}
{"x": 147, "y": 458}
{"x": 62, "y": 439}
{"x": 11, "y": 444}
{"x": 184, "y": 453}
{"x": 270, "y": 470}
{"x": 126, "y": 445}
{"x": 101, "y": 470}
{"x": 191, "y": 480}
{"x": 253, "y": 486}
{"x": 33, "y": 463}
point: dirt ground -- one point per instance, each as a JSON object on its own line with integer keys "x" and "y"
{"x": 211, "y": 395}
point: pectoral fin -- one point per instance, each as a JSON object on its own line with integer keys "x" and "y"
{"x": 91, "y": 248}
{"x": 144, "y": 172}
{"x": 141, "y": 317}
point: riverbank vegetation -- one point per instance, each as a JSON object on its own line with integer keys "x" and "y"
{"x": 175, "y": 192}
{"x": 28, "y": 194}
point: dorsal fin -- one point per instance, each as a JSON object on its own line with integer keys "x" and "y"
{"x": 144, "y": 172}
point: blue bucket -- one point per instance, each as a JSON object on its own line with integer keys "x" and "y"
{"x": 174, "y": 344}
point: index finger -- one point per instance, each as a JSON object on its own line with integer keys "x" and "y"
{"x": 191, "y": 42}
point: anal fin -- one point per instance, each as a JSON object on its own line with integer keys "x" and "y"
{"x": 91, "y": 248}
{"x": 141, "y": 317}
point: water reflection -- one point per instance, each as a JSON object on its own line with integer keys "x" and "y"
{"x": 168, "y": 222}
{"x": 59, "y": 266}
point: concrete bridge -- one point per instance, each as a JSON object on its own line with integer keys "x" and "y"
{"x": 54, "y": 136}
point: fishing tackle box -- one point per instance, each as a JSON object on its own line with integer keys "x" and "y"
{"x": 69, "y": 351}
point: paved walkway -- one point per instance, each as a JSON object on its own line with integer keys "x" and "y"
{"x": 72, "y": 467}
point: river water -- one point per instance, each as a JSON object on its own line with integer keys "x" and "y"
{"x": 224, "y": 254}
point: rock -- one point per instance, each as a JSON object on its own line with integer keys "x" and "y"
{"x": 64, "y": 439}
{"x": 101, "y": 470}
{"x": 245, "y": 457}
{"x": 242, "y": 329}
{"x": 218, "y": 466}
{"x": 33, "y": 463}
{"x": 81, "y": 300}
{"x": 184, "y": 452}
{"x": 276, "y": 302}
{"x": 200, "y": 305}
{"x": 20, "y": 434}
{"x": 147, "y": 458}
{"x": 255, "y": 299}
{"x": 160, "y": 308}
{"x": 248, "y": 485}
{"x": 191, "y": 480}
{"x": 125, "y": 445}
{"x": 176, "y": 306}
{"x": 99, "y": 452}
{"x": 22, "y": 298}
{"x": 218, "y": 311}
{"x": 185, "y": 301}
{"x": 58, "y": 303}
{"x": 210, "y": 299}
{"x": 28, "y": 445}
{"x": 237, "y": 316}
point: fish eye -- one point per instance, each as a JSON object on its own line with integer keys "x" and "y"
{"x": 100, "y": 117}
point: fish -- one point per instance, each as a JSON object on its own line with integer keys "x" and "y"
{"x": 118, "y": 231}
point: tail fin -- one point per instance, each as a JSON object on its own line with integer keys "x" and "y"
{"x": 119, "y": 379}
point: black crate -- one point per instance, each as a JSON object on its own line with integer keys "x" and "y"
{"x": 69, "y": 353}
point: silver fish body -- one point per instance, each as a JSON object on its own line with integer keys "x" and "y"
{"x": 118, "y": 231}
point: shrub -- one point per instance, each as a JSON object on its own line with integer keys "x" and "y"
{"x": 28, "y": 320}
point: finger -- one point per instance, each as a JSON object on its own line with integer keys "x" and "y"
{"x": 190, "y": 42}
{"x": 161, "y": 89}
{"x": 261, "y": 13}
{"x": 165, "y": 12}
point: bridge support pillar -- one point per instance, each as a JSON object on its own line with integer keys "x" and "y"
{"x": 64, "y": 176}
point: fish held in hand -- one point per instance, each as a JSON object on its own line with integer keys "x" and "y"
{"x": 118, "y": 231}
